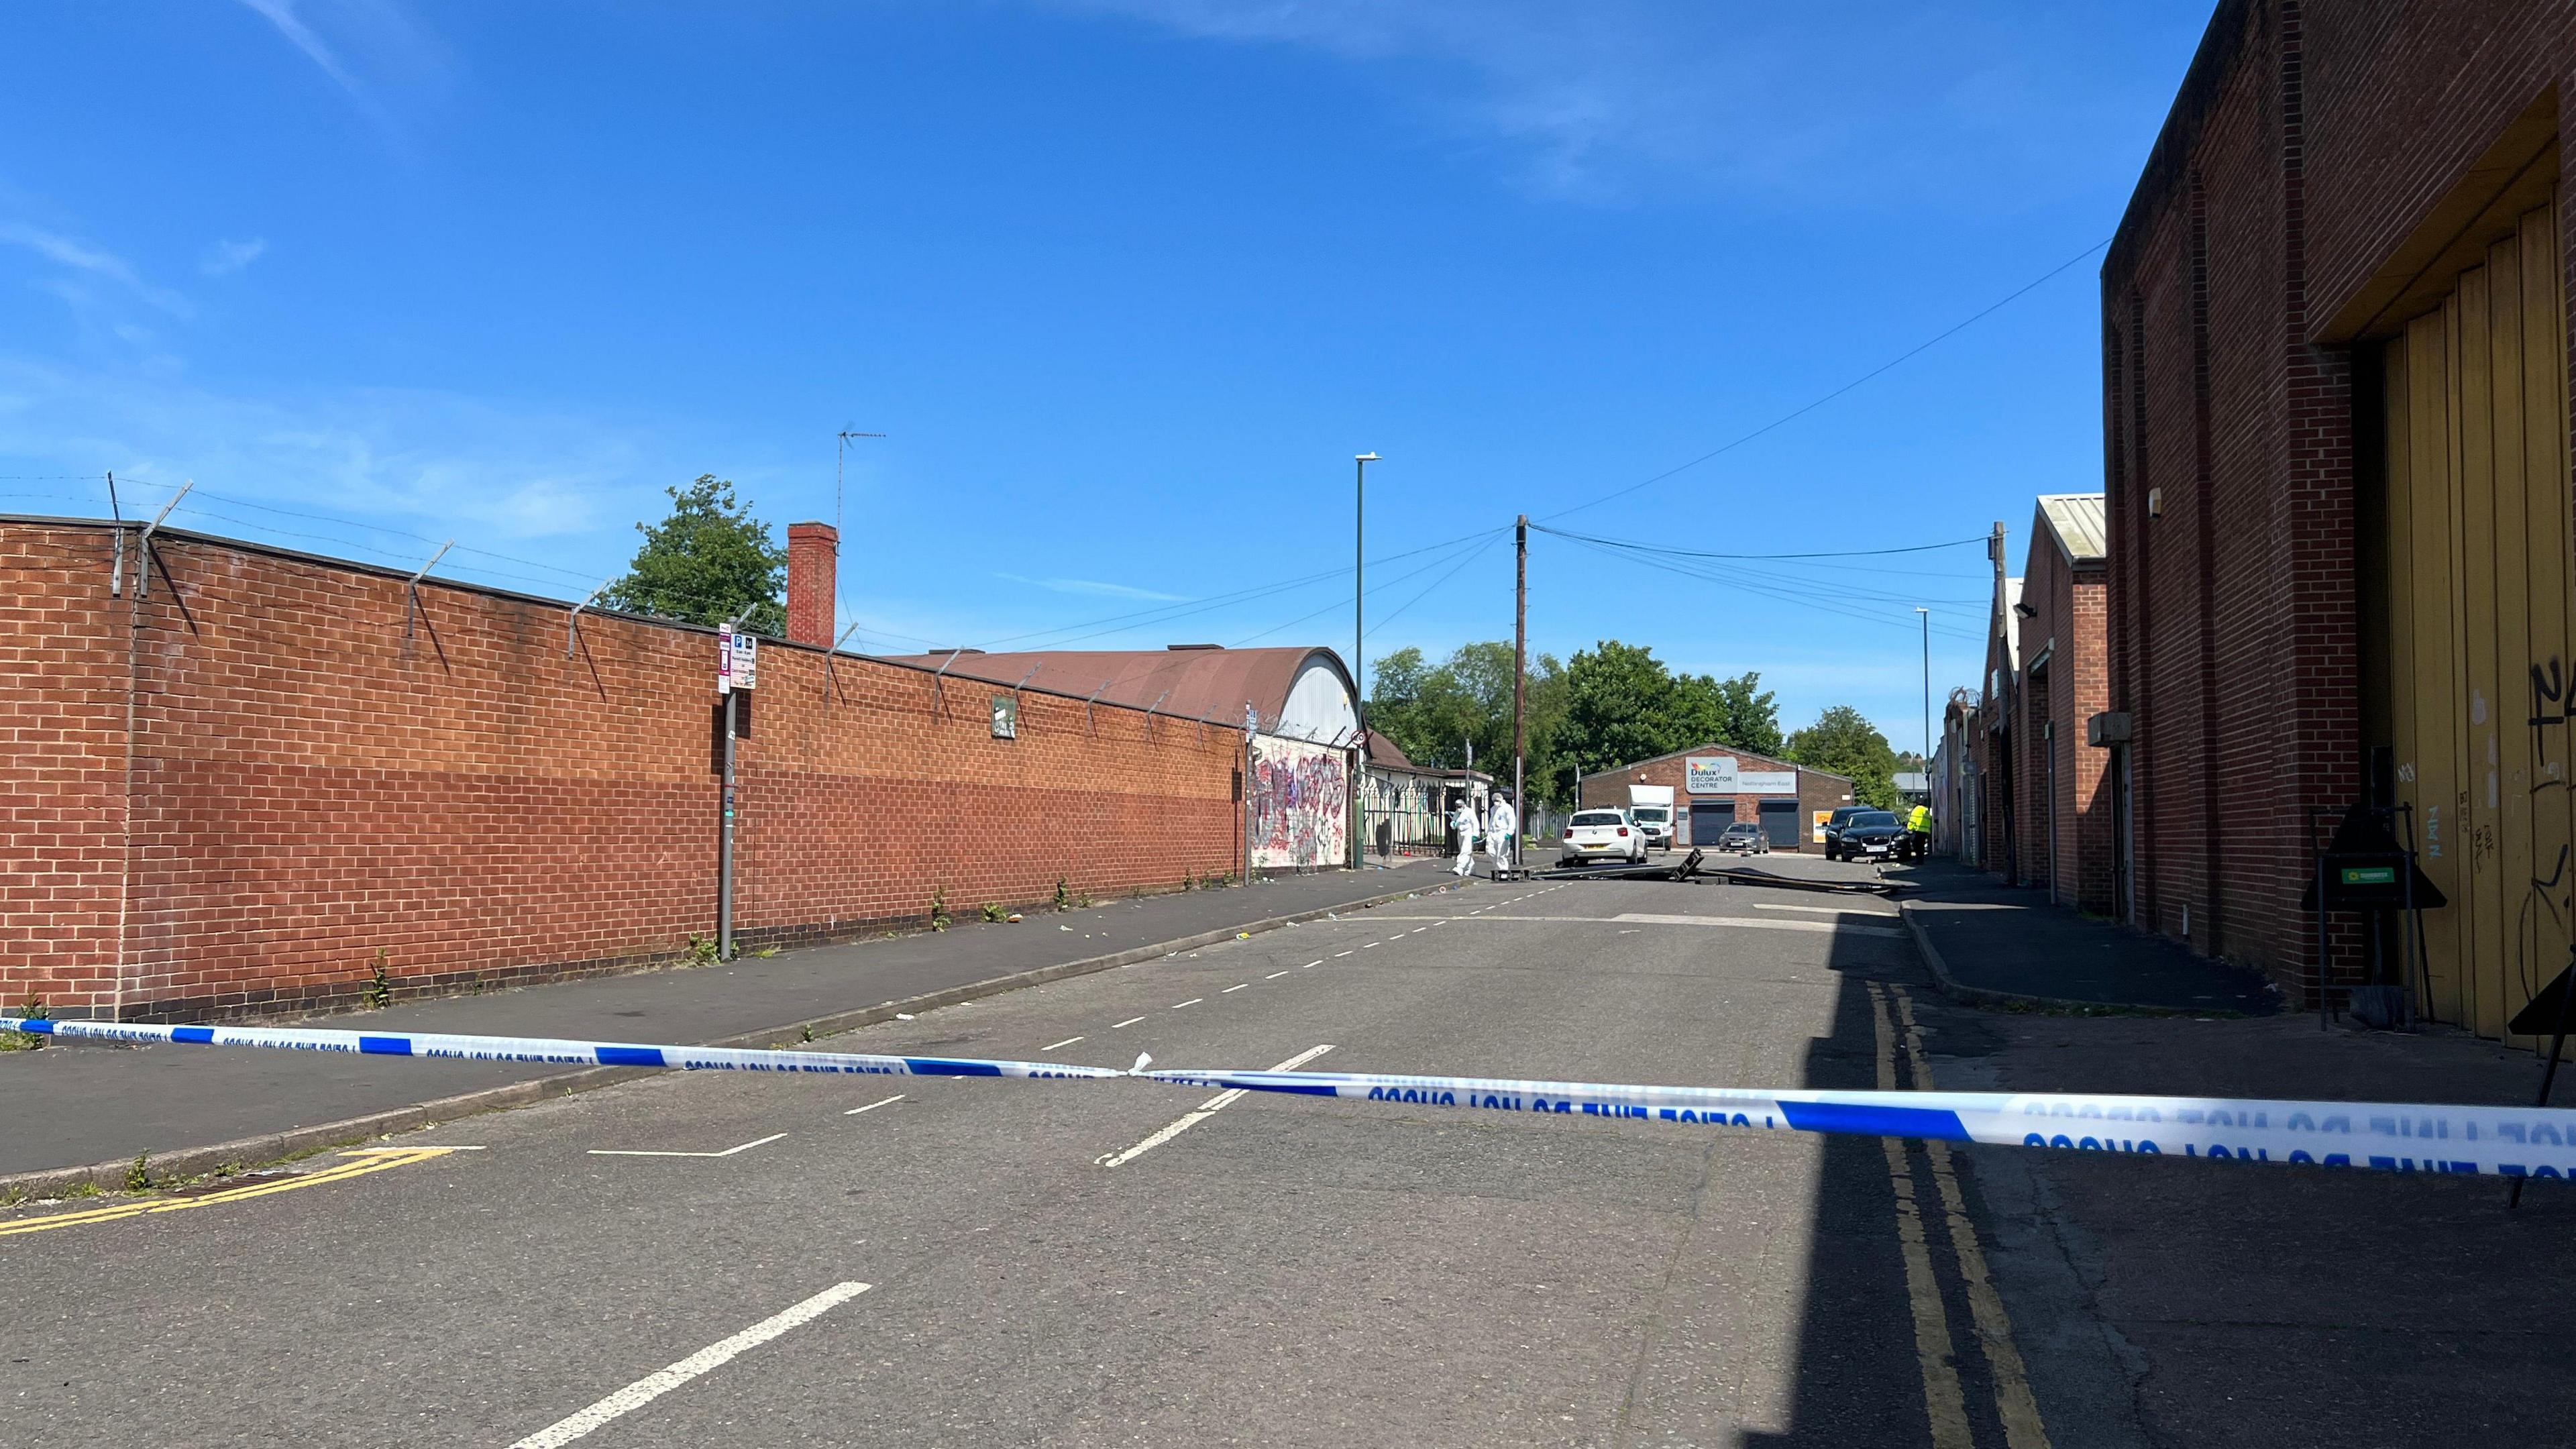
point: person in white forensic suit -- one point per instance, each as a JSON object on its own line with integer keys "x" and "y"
{"x": 1502, "y": 834}
{"x": 1463, "y": 821}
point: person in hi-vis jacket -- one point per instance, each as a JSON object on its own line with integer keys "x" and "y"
{"x": 1463, "y": 821}
{"x": 1502, "y": 834}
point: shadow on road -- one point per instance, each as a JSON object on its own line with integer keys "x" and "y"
{"x": 1859, "y": 1377}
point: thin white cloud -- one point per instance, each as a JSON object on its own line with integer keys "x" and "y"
{"x": 79, "y": 256}
{"x": 281, "y": 13}
{"x": 228, "y": 257}
{"x": 1602, "y": 101}
{"x": 427, "y": 461}
{"x": 1096, "y": 588}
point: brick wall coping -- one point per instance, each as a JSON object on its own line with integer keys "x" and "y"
{"x": 492, "y": 591}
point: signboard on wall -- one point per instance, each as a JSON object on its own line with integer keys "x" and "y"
{"x": 1766, "y": 782}
{"x": 1817, "y": 837}
{"x": 1710, "y": 774}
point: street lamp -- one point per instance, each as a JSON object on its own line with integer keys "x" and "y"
{"x": 1359, "y": 640}
{"x": 1927, "y": 702}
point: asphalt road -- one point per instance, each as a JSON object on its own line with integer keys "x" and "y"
{"x": 1125, "y": 1263}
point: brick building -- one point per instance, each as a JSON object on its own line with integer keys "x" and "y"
{"x": 2335, "y": 401}
{"x": 2064, "y": 831}
{"x": 240, "y": 777}
{"x": 1715, "y": 786}
{"x": 1997, "y": 846}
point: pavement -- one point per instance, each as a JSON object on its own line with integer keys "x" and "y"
{"x": 2010, "y": 943}
{"x": 1117, "y": 1263}
{"x": 72, "y": 1106}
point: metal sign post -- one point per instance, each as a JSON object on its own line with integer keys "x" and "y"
{"x": 737, "y": 669}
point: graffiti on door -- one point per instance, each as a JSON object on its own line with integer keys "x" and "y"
{"x": 1301, "y": 804}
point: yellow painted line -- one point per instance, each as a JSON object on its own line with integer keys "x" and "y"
{"x": 371, "y": 1159}
{"x": 2014, "y": 1402}
{"x": 1943, "y": 1401}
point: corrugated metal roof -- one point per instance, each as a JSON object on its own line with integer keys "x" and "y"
{"x": 1188, "y": 682}
{"x": 2077, "y": 521}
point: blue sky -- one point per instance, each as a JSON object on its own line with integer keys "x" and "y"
{"x": 1126, "y": 282}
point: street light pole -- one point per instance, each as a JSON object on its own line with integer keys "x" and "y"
{"x": 1927, "y": 702}
{"x": 1359, "y": 644}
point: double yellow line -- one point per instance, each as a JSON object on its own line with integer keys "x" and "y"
{"x": 1943, "y": 1397}
{"x": 367, "y": 1160}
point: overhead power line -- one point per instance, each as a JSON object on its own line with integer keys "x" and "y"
{"x": 1696, "y": 553}
{"x": 1826, "y": 603}
{"x": 1786, "y": 418}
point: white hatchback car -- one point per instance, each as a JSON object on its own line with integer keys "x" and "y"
{"x": 1601, "y": 835}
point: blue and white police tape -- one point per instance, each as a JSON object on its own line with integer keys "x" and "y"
{"x": 447, "y": 1047}
{"x": 2400, "y": 1137}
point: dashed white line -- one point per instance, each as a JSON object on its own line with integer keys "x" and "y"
{"x": 1238, "y": 986}
{"x": 1206, "y": 1109}
{"x": 639, "y": 1152}
{"x": 897, "y": 1097}
{"x": 1337, "y": 955}
{"x": 1373, "y": 945}
{"x": 1131, "y": 1021}
{"x": 1051, "y": 1046}
{"x": 715, "y": 1355}
{"x": 1193, "y": 1001}
{"x": 1311, "y": 965}
{"x": 1275, "y": 975}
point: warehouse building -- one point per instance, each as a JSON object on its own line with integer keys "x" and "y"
{"x": 1715, "y": 786}
{"x": 2335, "y": 372}
{"x": 2043, "y": 720}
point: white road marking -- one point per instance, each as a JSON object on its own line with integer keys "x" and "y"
{"x": 1051, "y": 1046}
{"x": 1827, "y": 910}
{"x": 1337, "y": 955}
{"x": 1131, "y": 1021}
{"x": 1311, "y": 965}
{"x": 1193, "y": 1001}
{"x": 728, "y": 1152}
{"x": 1206, "y": 1109}
{"x": 1234, "y": 988}
{"x": 715, "y": 1355}
{"x": 1275, "y": 975}
{"x": 1643, "y": 918}
{"x": 1373, "y": 945}
{"x": 872, "y": 1106}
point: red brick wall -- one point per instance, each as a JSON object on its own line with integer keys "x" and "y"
{"x": 310, "y": 786}
{"x": 62, "y": 772}
{"x": 2066, "y": 627}
{"x": 2307, "y": 143}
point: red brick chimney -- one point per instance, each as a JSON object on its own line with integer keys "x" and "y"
{"x": 813, "y": 566}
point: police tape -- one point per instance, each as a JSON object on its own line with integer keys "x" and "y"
{"x": 2536, "y": 1142}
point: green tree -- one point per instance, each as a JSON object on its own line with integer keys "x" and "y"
{"x": 1840, "y": 742}
{"x": 1434, "y": 711}
{"x": 1738, "y": 713}
{"x": 1621, "y": 704}
{"x": 705, "y": 563}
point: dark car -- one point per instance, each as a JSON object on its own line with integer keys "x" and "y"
{"x": 1870, "y": 835}
{"x": 1834, "y": 829}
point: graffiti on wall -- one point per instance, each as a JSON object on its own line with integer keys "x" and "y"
{"x": 1301, "y": 804}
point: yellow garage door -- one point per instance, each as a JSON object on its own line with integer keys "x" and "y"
{"x": 2478, "y": 636}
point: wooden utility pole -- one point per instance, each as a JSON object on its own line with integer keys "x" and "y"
{"x": 1520, "y": 667}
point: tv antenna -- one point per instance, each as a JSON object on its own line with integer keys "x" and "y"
{"x": 840, "y": 452}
